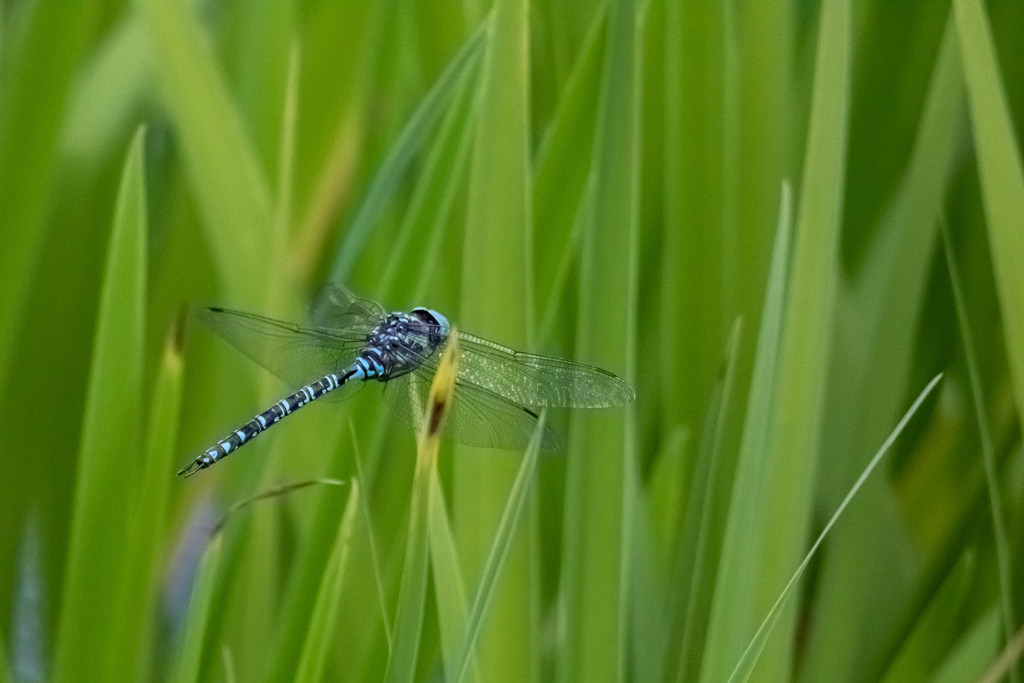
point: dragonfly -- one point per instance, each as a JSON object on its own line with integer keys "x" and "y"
{"x": 350, "y": 342}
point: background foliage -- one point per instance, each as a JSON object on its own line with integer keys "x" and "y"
{"x": 779, "y": 220}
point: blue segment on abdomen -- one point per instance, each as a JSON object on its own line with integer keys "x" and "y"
{"x": 268, "y": 417}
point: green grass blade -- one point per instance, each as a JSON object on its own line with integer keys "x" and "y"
{"x": 791, "y": 451}
{"x": 883, "y": 302}
{"x": 320, "y": 636}
{"x": 232, "y": 197}
{"x": 692, "y": 324}
{"x": 741, "y": 525}
{"x": 553, "y": 312}
{"x": 304, "y": 585}
{"x": 449, "y": 587}
{"x": 133, "y": 619}
{"x": 762, "y": 138}
{"x": 225, "y": 173}
{"x": 109, "y": 93}
{"x": 650, "y": 605}
{"x": 988, "y": 455}
{"x": 667, "y": 491}
{"x": 413, "y": 589}
{"x": 938, "y": 627}
{"x": 268, "y": 494}
{"x": 259, "y": 67}
{"x": 967, "y": 661}
{"x": 301, "y": 591}
{"x": 39, "y": 69}
{"x": 750, "y": 656}
{"x": 431, "y": 258}
{"x": 1002, "y": 177}
{"x": 599, "y": 477}
{"x": 496, "y": 302}
{"x": 412, "y": 594}
{"x": 498, "y": 555}
{"x": 340, "y": 120}
{"x": 286, "y": 150}
{"x": 277, "y": 298}
{"x": 409, "y": 143}
{"x": 1006, "y": 661}
{"x": 432, "y": 217}
{"x": 107, "y": 473}
{"x": 234, "y": 200}
{"x": 372, "y": 542}
{"x": 229, "y": 665}
{"x": 698, "y": 550}
{"x": 5, "y": 669}
{"x": 432, "y": 198}
{"x": 562, "y": 165}
{"x": 671, "y": 596}
{"x": 190, "y": 658}
{"x": 247, "y": 592}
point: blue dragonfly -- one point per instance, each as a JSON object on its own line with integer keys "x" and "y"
{"x": 350, "y": 341}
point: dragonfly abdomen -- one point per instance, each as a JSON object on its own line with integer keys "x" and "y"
{"x": 369, "y": 364}
{"x": 263, "y": 421}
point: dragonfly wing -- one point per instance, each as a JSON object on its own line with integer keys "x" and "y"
{"x": 539, "y": 381}
{"x": 296, "y": 354}
{"x": 337, "y": 308}
{"x": 476, "y": 417}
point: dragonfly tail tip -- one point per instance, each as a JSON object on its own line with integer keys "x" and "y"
{"x": 190, "y": 469}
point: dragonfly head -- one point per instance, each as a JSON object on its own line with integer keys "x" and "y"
{"x": 431, "y": 317}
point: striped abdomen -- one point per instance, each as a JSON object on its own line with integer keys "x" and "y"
{"x": 261, "y": 422}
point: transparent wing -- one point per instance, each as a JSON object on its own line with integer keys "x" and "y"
{"x": 336, "y": 308}
{"x": 533, "y": 380}
{"x": 296, "y": 354}
{"x": 477, "y": 417}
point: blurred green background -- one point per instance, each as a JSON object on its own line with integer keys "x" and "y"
{"x": 778, "y": 220}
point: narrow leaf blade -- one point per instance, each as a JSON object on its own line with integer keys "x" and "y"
{"x": 1002, "y": 176}
{"x": 106, "y": 475}
{"x": 757, "y": 570}
{"x": 224, "y": 170}
{"x": 320, "y": 634}
{"x": 133, "y": 620}
{"x": 190, "y": 658}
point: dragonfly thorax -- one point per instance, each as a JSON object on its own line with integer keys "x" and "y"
{"x": 401, "y": 341}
